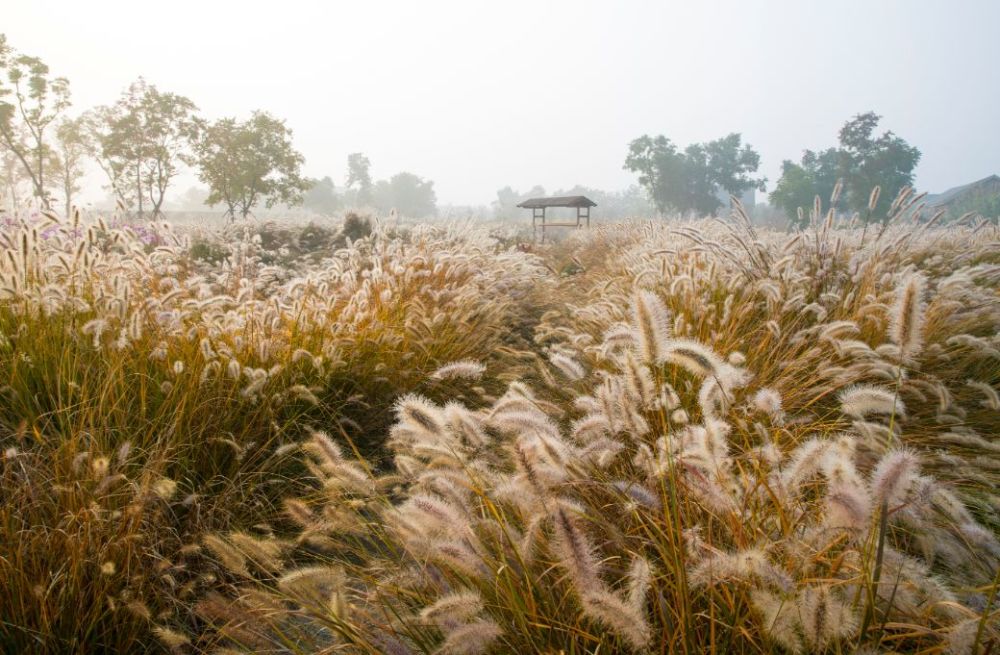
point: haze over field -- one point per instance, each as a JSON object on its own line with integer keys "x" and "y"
{"x": 478, "y": 96}
{"x": 295, "y": 360}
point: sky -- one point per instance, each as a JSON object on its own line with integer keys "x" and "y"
{"x": 481, "y": 95}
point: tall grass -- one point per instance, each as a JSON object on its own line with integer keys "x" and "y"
{"x": 675, "y": 438}
{"x": 113, "y": 337}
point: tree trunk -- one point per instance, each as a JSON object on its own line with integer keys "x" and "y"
{"x": 41, "y": 172}
{"x": 138, "y": 186}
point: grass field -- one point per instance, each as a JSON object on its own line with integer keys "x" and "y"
{"x": 672, "y": 437}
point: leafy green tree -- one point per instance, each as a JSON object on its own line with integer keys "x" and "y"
{"x": 799, "y": 184}
{"x": 17, "y": 186}
{"x": 31, "y": 100}
{"x": 869, "y": 161}
{"x": 408, "y": 194}
{"x": 244, "y": 163}
{"x": 147, "y": 134}
{"x": 359, "y": 177}
{"x": 96, "y": 126}
{"x": 69, "y": 152}
{"x": 692, "y": 180}
{"x": 862, "y": 161}
{"x": 321, "y": 197}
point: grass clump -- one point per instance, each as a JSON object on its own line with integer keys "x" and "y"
{"x": 706, "y": 439}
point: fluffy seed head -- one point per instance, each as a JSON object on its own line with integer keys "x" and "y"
{"x": 651, "y": 321}
{"x": 907, "y": 316}
{"x": 893, "y": 477}
{"x": 463, "y": 369}
{"x": 861, "y": 400}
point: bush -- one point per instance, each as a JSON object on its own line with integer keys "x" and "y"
{"x": 356, "y": 226}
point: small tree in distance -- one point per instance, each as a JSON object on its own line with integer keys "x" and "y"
{"x": 68, "y": 156}
{"x": 690, "y": 180}
{"x": 359, "y": 177}
{"x": 862, "y": 162}
{"x": 245, "y": 163}
{"x": 142, "y": 139}
{"x": 409, "y": 194}
{"x": 30, "y": 102}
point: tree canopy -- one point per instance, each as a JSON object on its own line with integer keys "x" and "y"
{"x": 692, "y": 180}
{"x": 359, "y": 177}
{"x": 31, "y": 100}
{"x": 321, "y": 196}
{"x": 409, "y": 194}
{"x": 862, "y": 161}
{"x": 245, "y": 163}
{"x": 142, "y": 139}
{"x": 67, "y": 157}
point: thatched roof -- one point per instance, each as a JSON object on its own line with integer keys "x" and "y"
{"x": 561, "y": 201}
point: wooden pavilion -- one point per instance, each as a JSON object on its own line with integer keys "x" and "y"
{"x": 582, "y": 204}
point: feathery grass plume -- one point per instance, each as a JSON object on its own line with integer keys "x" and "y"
{"x": 518, "y": 422}
{"x": 826, "y": 619}
{"x": 99, "y": 466}
{"x": 465, "y": 425}
{"x": 617, "y": 338}
{"x": 692, "y": 356}
{"x": 574, "y": 549}
{"x": 324, "y": 449}
{"x": 744, "y": 566}
{"x": 847, "y": 502}
{"x": 992, "y": 398}
{"x": 299, "y": 512}
{"x": 651, "y": 321}
{"x": 420, "y": 415}
{"x": 860, "y": 401}
{"x": 312, "y": 585}
{"x": 894, "y": 477}
{"x": 532, "y": 471}
{"x": 457, "y": 606}
{"x": 471, "y": 638}
{"x": 639, "y": 381}
{"x": 458, "y": 556}
{"x": 462, "y": 369}
{"x": 806, "y": 460}
{"x": 432, "y": 515}
{"x": 637, "y": 493}
{"x": 590, "y": 427}
{"x": 231, "y": 558}
{"x": 779, "y": 615}
{"x": 607, "y": 609}
{"x": 768, "y": 401}
{"x": 873, "y": 197}
{"x": 264, "y": 553}
{"x": 171, "y": 638}
{"x": 165, "y": 488}
{"x": 639, "y": 576}
{"x": 961, "y": 638}
{"x": 907, "y": 316}
{"x": 568, "y": 366}
{"x": 305, "y": 394}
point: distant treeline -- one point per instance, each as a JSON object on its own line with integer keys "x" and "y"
{"x": 142, "y": 140}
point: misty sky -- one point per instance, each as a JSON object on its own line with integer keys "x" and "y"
{"x": 478, "y": 95}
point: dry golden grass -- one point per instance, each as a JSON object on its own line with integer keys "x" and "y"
{"x": 648, "y": 438}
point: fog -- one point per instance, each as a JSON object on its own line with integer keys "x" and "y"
{"x": 478, "y": 96}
